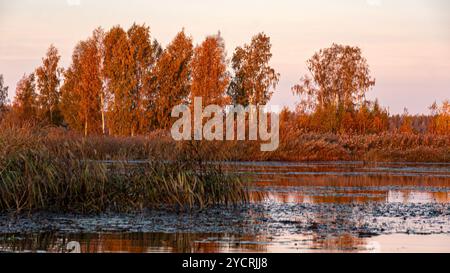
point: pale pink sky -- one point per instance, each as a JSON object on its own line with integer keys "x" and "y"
{"x": 406, "y": 42}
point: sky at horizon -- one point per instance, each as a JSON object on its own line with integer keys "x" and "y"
{"x": 406, "y": 43}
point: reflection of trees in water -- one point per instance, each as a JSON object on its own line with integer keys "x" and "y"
{"x": 441, "y": 197}
{"x": 334, "y": 218}
{"x": 408, "y": 196}
{"x": 343, "y": 242}
{"x": 350, "y": 180}
{"x": 48, "y": 241}
{"x": 169, "y": 242}
{"x": 133, "y": 242}
{"x": 288, "y": 184}
{"x": 348, "y": 189}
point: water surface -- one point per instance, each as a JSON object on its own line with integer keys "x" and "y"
{"x": 296, "y": 207}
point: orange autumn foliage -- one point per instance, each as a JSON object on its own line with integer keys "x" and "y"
{"x": 209, "y": 72}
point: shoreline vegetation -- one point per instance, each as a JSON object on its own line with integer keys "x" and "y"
{"x": 41, "y": 171}
{"x": 52, "y": 169}
{"x": 114, "y": 103}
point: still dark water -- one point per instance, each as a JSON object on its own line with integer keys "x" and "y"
{"x": 296, "y": 207}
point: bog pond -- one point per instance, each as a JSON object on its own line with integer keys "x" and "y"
{"x": 295, "y": 207}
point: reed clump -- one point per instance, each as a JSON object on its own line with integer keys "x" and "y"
{"x": 43, "y": 172}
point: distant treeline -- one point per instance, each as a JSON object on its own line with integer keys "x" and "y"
{"x": 122, "y": 82}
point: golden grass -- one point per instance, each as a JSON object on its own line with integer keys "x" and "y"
{"x": 295, "y": 145}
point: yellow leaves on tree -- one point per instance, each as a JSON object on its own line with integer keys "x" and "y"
{"x": 83, "y": 87}
{"x": 209, "y": 72}
{"x": 339, "y": 76}
{"x": 25, "y": 103}
{"x": 441, "y": 119}
{"x": 333, "y": 95}
{"x": 119, "y": 75}
{"x": 254, "y": 78}
{"x": 48, "y": 80}
{"x": 406, "y": 127}
{"x": 123, "y": 79}
{"x": 171, "y": 79}
{"x": 129, "y": 58}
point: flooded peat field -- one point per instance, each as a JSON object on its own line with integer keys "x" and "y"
{"x": 295, "y": 207}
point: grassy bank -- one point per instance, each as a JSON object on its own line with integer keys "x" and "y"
{"x": 42, "y": 171}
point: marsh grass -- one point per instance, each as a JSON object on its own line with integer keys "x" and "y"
{"x": 57, "y": 170}
{"x": 40, "y": 171}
